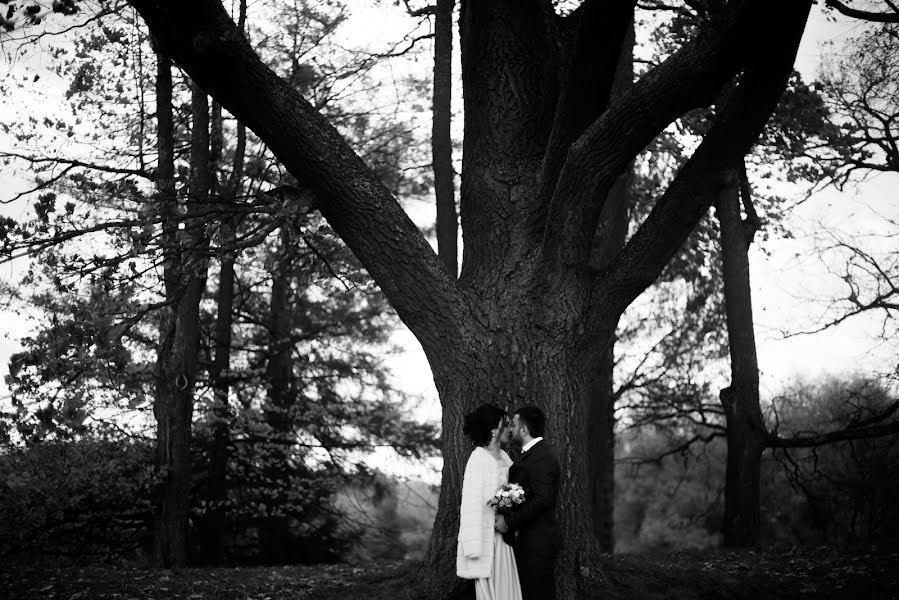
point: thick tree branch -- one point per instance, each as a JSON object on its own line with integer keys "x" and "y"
{"x": 37, "y": 160}
{"x": 688, "y": 197}
{"x": 510, "y": 76}
{"x": 202, "y": 38}
{"x": 691, "y": 77}
{"x": 447, "y": 222}
{"x": 681, "y": 449}
{"x": 592, "y": 41}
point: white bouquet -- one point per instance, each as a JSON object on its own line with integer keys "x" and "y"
{"x": 507, "y": 496}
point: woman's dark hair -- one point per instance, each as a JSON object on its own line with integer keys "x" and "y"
{"x": 532, "y": 418}
{"x": 479, "y": 424}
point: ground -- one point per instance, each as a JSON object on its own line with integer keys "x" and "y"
{"x": 806, "y": 573}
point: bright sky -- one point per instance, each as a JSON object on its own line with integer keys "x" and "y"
{"x": 788, "y": 286}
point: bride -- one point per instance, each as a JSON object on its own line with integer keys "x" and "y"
{"x": 482, "y": 554}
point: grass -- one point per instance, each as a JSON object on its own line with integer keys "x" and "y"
{"x": 807, "y": 573}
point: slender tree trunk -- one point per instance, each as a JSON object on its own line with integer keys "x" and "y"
{"x": 176, "y": 369}
{"x": 217, "y": 473}
{"x": 746, "y": 433}
{"x": 601, "y": 441}
{"x": 170, "y": 529}
{"x": 273, "y": 534}
{"x": 184, "y": 274}
{"x": 441, "y": 141}
{"x": 213, "y": 524}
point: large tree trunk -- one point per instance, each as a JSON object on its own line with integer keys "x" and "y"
{"x": 184, "y": 274}
{"x": 514, "y": 365}
{"x": 746, "y": 432}
{"x": 529, "y": 317}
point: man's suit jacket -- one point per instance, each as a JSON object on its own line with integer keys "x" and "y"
{"x": 534, "y": 522}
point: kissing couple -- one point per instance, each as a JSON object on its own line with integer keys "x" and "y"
{"x": 508, "y": 536}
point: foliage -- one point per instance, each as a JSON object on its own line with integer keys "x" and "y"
{"x": 92, "y": 499}
{"x": 860, "y": 91}
{"x": 844, "y": 492}
{"x": 672, "y": 504}
{"x": 81, "y": 366}
{"x": 670, "y": 476}
{"x": 75, "y": 499}
{"x": 95, "y": 238}
{"x": 394, "y": 516}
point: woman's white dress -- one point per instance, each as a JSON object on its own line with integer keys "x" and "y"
{"x": 499, "y": 579}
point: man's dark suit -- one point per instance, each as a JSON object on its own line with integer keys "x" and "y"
{"x": 536, "y": 535}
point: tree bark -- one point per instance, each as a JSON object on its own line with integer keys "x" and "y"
{"x": 441, "y": 140}
{"x": 746, "y": 431}
{"x": 602, "y": 450}
{"x": 184, "y": 274}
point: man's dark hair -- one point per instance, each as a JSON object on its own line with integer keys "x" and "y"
{"x": 533, "y": 418}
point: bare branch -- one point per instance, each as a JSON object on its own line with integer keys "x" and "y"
{"x": 36, "y": 160}
{"x": 688, "y": 197}
{"x": 691, "y": 77}
{"x": 682, "y": 448}
{"x": 843, "y": 435}
{"x": 885, "y": 17}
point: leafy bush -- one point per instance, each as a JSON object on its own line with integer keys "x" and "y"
{"x": 93, "y": 498}
{"x": 79, "y": 498}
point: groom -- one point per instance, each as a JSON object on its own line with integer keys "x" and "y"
{"x": 537, "y": 539}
